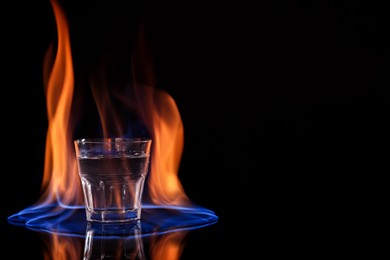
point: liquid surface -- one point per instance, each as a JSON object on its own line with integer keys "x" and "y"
{"x": 134, "y": 166}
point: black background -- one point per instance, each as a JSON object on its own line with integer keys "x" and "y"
{"x": 284, "y": 106}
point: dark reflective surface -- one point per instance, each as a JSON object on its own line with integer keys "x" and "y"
{"x": 294, "y": 97}
{"x": 163, "y": 233}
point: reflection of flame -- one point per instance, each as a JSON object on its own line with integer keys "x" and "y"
{"x": 63, "y": 247}
{"x": 156, "y": 109}
{"x": 161, "y": 247}
{"x": 169, "y": 246}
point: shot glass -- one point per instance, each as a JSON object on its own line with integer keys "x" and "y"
{"x": 112, "y": 173}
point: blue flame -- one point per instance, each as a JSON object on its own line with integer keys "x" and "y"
{"x": 71, "y": 221}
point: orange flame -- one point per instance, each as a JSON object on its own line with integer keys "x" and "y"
{"x": 60, "y": 173}
{"x": 155, "y": 108}
{"x": 168, "y": 135}
{"x": 160, "y": 114}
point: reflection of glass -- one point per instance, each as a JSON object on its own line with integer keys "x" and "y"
{"x": 114, "y": 242}
{"x": 104, "y": 241}
{"x": 112, "y": 173}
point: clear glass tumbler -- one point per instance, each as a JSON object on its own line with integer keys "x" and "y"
{"x": 112, "y": 173}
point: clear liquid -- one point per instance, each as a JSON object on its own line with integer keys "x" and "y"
{"x": 113, "y": 186}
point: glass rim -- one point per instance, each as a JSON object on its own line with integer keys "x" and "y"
{"x": 102, "y": 140}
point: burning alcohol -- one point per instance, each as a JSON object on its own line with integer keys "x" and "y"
{"x": 60, "y": 211}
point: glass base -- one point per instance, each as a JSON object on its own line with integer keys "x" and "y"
{"x": 113, "y": 216}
